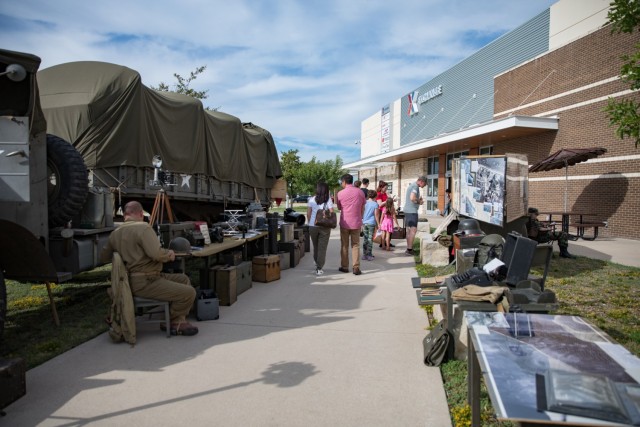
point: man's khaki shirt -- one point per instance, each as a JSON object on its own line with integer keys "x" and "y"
{"x": 139, "y": 247}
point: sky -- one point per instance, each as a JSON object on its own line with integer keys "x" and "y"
{"x": 308, "y": 71}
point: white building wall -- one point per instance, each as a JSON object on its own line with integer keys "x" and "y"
{"x": 396, "y": 118}
{"x": 370, "y": 135}
{"x": 572, "y": 19}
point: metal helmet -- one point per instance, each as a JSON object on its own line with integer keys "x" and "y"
{"x": 492, "y": 240}
{"x": 469, "y": 226}
{"x": 180, "y": 244}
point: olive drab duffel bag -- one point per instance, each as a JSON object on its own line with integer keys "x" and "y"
{"x": 436, "y": 344}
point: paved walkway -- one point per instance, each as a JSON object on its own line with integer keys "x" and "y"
{"x": 335, "y": 350}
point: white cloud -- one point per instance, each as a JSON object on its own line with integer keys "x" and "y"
{"x": 308, "y": 71}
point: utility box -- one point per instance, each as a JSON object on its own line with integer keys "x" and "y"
{"x": 285, "y": 260}
{"x": 292, "y": 249}
{"x": 207, "y": 305}
{"x": 266, "y": 268}
{"x": 13, "y": 384}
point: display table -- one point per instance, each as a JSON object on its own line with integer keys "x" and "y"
{"x": 255, "y": 244}
{"x": 510, "y": 349}
{"x": 208, "y": 251}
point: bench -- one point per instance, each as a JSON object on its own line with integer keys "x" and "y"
{"x": 580, "y": 227}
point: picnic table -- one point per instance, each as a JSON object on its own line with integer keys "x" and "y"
{"x": 579, "y": 225}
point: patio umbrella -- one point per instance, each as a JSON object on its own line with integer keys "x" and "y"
{"x": 565, "y": 158}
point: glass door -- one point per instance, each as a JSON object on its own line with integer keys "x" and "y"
{"x": 431, "y": 189}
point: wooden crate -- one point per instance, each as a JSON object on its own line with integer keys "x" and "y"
{"x": 266, "y": 268}
{"x": 244, "y": 277}
{"x": 226, "y": 284}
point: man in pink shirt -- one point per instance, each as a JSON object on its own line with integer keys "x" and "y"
{"x": 351, "y": 203}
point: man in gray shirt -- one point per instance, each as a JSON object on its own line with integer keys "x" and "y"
{"x": 412, "y": 202}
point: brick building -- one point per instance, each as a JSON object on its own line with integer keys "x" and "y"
{"x": 533, "y": 91}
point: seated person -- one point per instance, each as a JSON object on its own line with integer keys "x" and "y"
{"x": 140, "y": 249}
{"x": 537, "y": 231}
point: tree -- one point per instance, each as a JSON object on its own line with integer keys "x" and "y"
{"x": 314, "y": 171}
{"x": 624, "y": 17}
{"x": 182, "y": 86}
{"x": 290, "y": 164}
{"x": 302, "y": 177}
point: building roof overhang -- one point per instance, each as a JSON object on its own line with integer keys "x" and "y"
{"x": 479, "y": 135}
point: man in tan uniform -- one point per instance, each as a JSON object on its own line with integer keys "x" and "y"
{"x": 140, "y": 249}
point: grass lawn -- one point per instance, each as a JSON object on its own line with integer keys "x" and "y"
{"x": 606, "y": 294}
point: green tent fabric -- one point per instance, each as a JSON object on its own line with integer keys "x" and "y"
{"x": 112, "y": 119}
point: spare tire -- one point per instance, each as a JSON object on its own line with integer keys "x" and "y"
{"x": 67, "y": 181}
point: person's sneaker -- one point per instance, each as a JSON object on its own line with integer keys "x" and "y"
{"x": 408, "y": 252}
{"x": 364, "y": 257}
{"x": 319, "y": 272}
{"x": 357, "y": 271}
{"x": 370, "y": 258}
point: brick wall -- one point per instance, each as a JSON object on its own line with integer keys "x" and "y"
{"x": 609, "y": 189}
{"x": 575, "y": 77}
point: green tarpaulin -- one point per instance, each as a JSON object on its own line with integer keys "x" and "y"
{"x": 112, "y": 119}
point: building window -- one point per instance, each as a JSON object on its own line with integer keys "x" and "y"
{"x": 432, "y": 165}
{"x": 486, "y": 151}
{"x": 452, "y": 156}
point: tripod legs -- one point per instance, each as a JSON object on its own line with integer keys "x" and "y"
{"x": 160, "y": 205}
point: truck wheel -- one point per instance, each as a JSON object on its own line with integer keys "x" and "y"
{"x": 67, "y": 181}
{"x": 3, "y": 304}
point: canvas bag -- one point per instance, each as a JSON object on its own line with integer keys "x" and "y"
{"x": 436, "y": 345}
{"x": 326, "y": 218}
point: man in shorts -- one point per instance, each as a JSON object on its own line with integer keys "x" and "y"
{"x": 412, "y": 202}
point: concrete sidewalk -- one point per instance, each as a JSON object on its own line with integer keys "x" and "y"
{"x": 338, "y": 350}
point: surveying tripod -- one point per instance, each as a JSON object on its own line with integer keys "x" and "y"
{"x": 160, "y": 205}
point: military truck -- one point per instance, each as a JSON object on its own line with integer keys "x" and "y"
{"x": 79, "y": 140}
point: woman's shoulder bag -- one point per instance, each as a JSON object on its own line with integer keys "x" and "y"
{"x": 326, "y": 218}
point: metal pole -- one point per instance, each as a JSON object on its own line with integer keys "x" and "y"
{"x": 566, "y": 183}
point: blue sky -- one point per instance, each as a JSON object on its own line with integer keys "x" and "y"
{"x": 308, "y": 71}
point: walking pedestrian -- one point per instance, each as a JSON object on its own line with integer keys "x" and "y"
{"x": 365, "y": 187}
{"x": 370, "y": 220}
{"x": 350, "y": 201}
{"x": 319, "y": 235}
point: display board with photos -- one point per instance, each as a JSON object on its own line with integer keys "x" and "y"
{"x": 488, "y": 188}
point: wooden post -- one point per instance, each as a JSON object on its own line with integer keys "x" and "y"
{"x": 54, "y": 311}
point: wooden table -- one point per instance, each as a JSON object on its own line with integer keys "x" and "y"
{"x": 510, "y": 350}
{"x": 216, "y": 248}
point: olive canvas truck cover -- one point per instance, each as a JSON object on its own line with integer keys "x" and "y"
{"x": 118, "y": 124}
